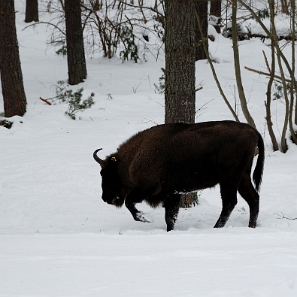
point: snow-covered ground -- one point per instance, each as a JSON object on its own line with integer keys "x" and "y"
{"x": 58, "y": 238}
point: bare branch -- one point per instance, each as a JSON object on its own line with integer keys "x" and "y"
{"x": 214, "y": 72}
{"x": 284, "y": 217}
{"x": 266, "y": 61}
{"x": 47, "y": 23}
{"x": 265, "y": 73}
{"x": 45, "y": 101}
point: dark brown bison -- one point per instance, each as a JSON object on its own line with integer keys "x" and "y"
{"x": 157, "y": 165}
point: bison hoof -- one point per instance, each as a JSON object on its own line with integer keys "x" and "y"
{"x": 252, "y": 225}
{"x": 144, "y": 217}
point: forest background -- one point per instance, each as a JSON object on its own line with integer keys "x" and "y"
{"x": 58, "y": 238}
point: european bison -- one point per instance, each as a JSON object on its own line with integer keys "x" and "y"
{"x": 157, "y": 165}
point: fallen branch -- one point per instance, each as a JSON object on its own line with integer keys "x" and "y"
{"x": 45, "y": 101}
{"x": 283, "y": 217}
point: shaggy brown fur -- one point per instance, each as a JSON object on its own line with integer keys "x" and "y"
{"x": 160, "y": 163}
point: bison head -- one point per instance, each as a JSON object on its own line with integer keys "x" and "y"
{"x": 111, "y": 182}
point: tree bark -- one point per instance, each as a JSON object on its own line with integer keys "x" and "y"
{"x": 201, "y": 10}
{"x": 10, "y": 66}
{"x": 179, "y": 61}
{"x": 77, "y": 70}
{"x": 294, "y": 58}
{"x": 268, "y": 95}
{"x": 31, "y": 11}
{"x": 215, "y": 9}
{"x": 180, "y": 53}
{"x": 285, "y": 6}
{"x": 240, "y": 88}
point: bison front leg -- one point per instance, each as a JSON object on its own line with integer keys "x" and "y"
{"x": 133, "y": 198}
{"x": 171, "y": 205}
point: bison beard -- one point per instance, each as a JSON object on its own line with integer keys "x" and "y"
{"x": 158, "y": 164}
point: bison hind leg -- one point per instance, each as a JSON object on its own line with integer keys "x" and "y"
{"x": 250, "y": 195}
{"x": 229, "y": 200}
{"x": 171, "y": 205}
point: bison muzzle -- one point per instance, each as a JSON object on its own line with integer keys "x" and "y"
{"x": 157, "y": 165}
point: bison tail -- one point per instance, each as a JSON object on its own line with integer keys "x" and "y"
{"x": 258, "y": 172}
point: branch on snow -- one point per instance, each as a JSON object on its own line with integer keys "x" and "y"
{"x": 282, "y": 216}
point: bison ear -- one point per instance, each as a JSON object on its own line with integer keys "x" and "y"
{"x": 114, "y": 159}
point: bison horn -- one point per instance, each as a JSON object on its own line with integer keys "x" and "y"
{"x": 97, "y": 159}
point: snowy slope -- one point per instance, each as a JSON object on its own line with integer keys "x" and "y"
{"x": 58, "y": 238}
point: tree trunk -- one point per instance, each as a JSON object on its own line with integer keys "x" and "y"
{"x": 294, "y": 56}
{"x": 10, "y": 66}
{"x": 96, "y": 5}
{"x": 268, "y": 95}
{"x": 215, "y": 9}
{"x": 240, "y": 88}
{"x": 214, "y": 72}
{"x": 180, "y": 51}
{"x": 179, "y": 61}
{"x": 201, "y": 10}
{"x": 285, "y": 6}
{"x": 77, "y": 70}
{"x": 31, "y": 11}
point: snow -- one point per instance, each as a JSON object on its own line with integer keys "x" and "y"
{"x": 57, "y": 236}
{"x": 182, "y": 263}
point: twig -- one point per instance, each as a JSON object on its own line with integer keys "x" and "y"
{"x": 214, "y": 72}
{"x": 265, "y": 73}
{"x": 135, "y": 88}
{"x": 47, "y": 23}
{"x": 151, "y": 121}
{"x": 45, "y": 100}
{"x": 266, "y": 61}
{"x": 283, "y": 217}
{"x": 143, "y": 7}
{"x": 202, "y": 106}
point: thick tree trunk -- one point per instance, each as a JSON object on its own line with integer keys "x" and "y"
{"x": 180, "y": 50}
{"x": 215, "y": 7}
{"x": 31, "y": 11}
{"x": 180, "y": 61}
{"x": 77, "y": 70}
{"x": 10, "y": 66}
{"x": 201, "y": 10}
